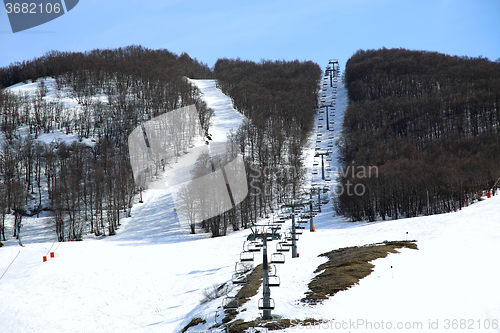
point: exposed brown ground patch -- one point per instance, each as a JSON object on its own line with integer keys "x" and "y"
{"x": 347, "y": 266}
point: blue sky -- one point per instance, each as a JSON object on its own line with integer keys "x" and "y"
{"x": 315, "y": 30}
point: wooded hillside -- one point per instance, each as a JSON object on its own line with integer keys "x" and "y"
{"x": 280, "y": 99}
{"x": 116, "y": 90}
{"x": 430, "y": 123}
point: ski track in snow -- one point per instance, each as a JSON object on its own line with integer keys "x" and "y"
{"x": 151, "y": 275}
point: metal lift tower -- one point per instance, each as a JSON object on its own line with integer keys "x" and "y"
{"x": 266, "y": 304}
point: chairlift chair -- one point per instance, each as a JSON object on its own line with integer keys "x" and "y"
{"x": 280, "y": 247}
{"x": 277, "y": 258}
{"x": 263, "y": 306}
{"x": 276, "y": 226}
{"x": 298, "y": 231}
{"x": 273, "y": 281}
{"x": 246, "y": 256}
{"x": 299, "y": 227}
{"x": 251, "y": 246}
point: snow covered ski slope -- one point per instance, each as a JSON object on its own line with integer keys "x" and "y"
{"x": 150, "y": 277}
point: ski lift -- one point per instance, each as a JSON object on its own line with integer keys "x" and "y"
{"x": 315, "y": 163}
{"x": 269, "y": 306}
{"x": 277, "y": 258}
{"x": 246, "y": 256}
{"x": 291, "y": 238}
{"x": 328, "y": 179}
{"x": 239, "y": 278}
{"x": 315, "y": 172}
{"x": 299, "y": 227}
{"x": 273, "y": 281}
{"x": 298, "y": 231}
{"x": 275, "y": 227}
{"x": 230, "y": 302}
{"x": 281, "y": 247}
{"x": 251, "y": 246}
{"x": 330, "y": 145}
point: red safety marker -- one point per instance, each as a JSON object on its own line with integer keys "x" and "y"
{"x": 52, "y": 254}
{"x": 44, "y": 258}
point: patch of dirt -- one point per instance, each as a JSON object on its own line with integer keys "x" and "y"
{"x": 347, "y": 266}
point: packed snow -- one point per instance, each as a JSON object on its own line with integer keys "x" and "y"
{"x": 150, "y": 277}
